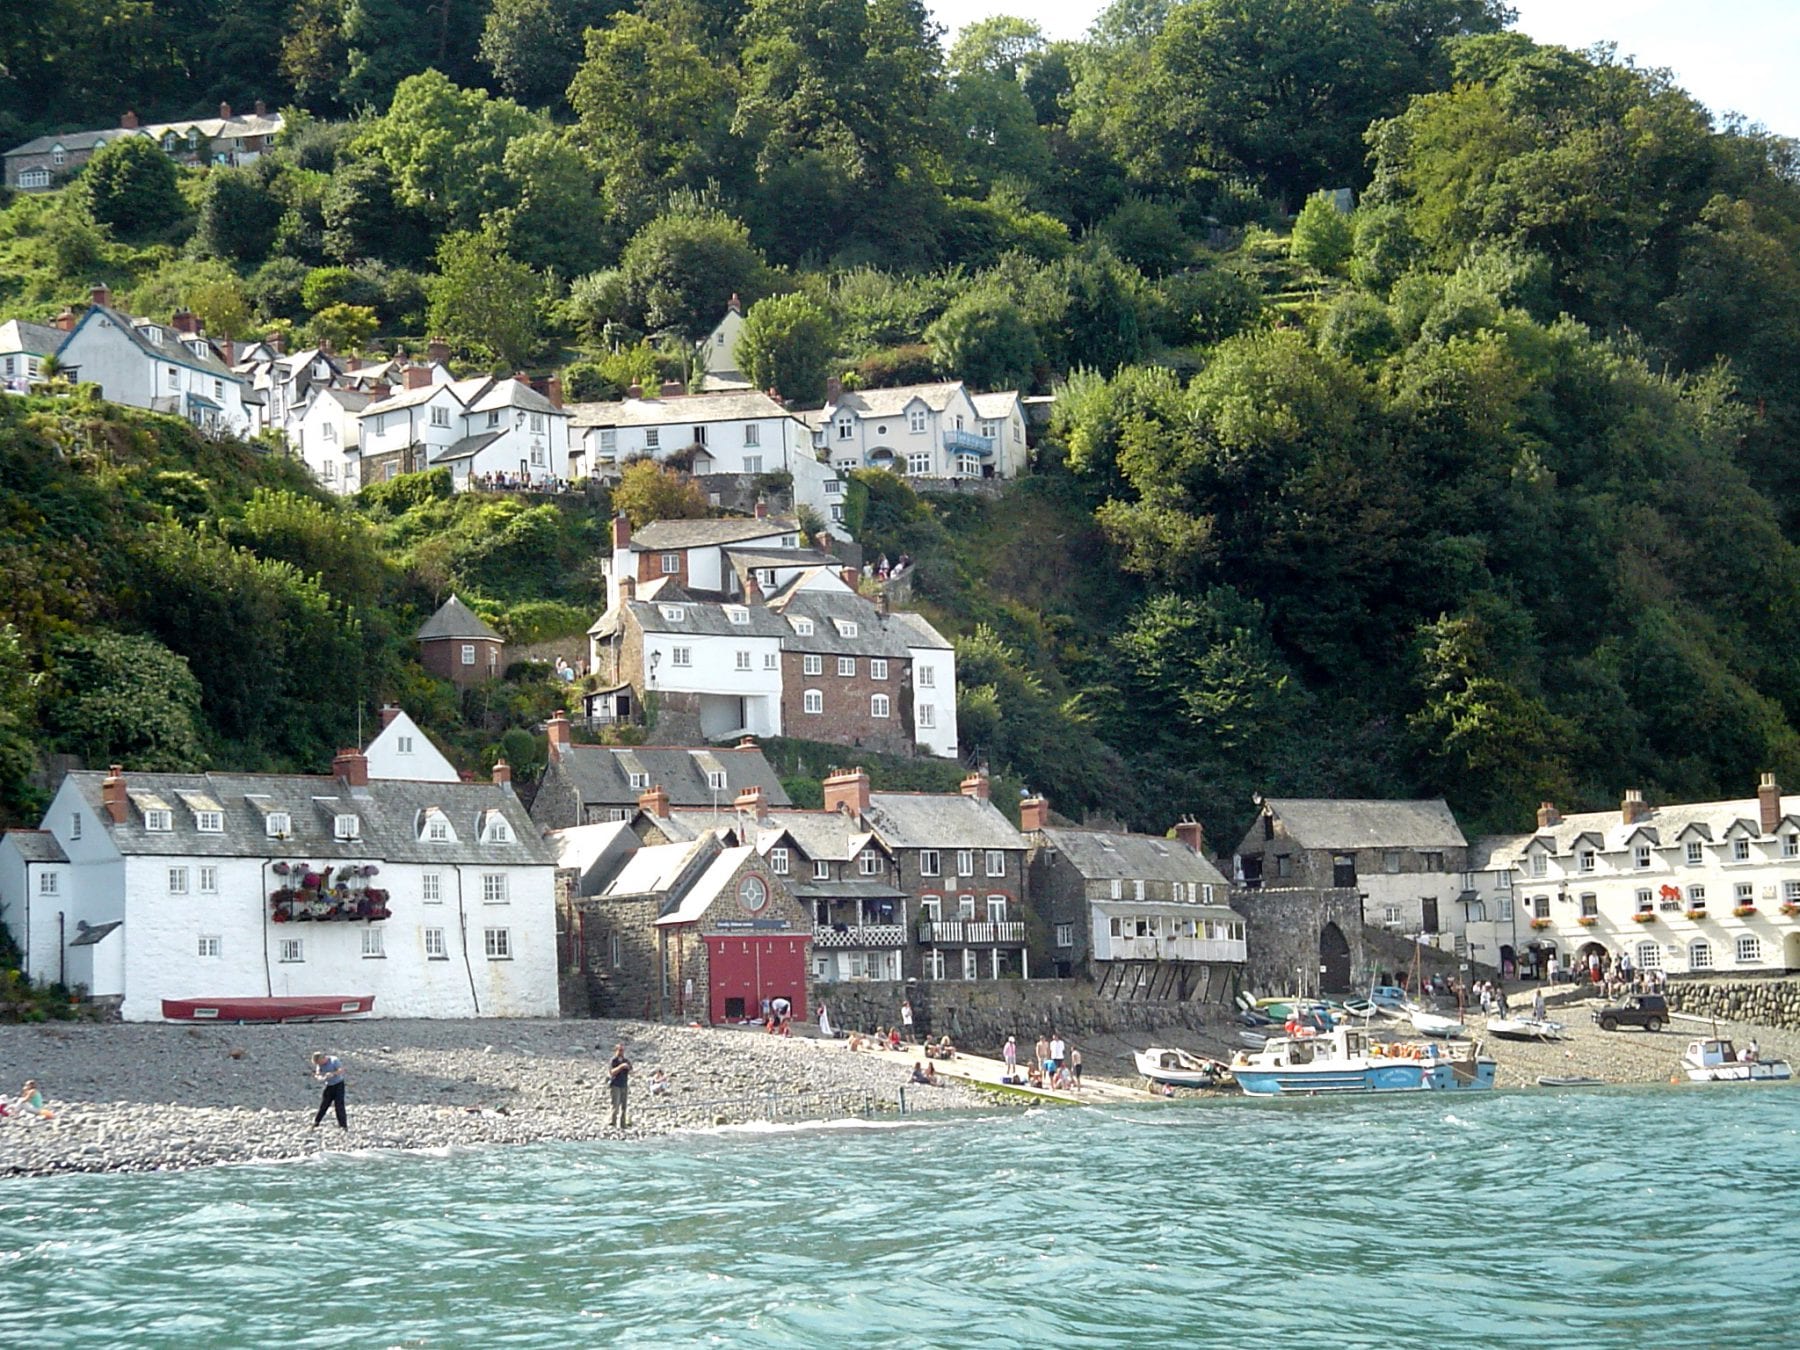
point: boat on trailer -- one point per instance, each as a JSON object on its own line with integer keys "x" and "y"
{"x": 322, "y": 1008}
{"x": 1350, "y": 1059}
{"x": 1180, "y": 1069}
{"x": 1717, "y": 1060}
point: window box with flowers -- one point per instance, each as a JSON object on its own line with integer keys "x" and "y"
{"x": 1744, "y": 911}
{"x": 1696, "y": 914}
{"x": 1539, "y": 925}
{"x": 1644, "y": 916}
{"x": 1588, "y": 920}
{"x": 323, "y": 894}
{"x": 1791, "y": 908}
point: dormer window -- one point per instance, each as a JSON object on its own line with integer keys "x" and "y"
{"x": 638, "y": 781}
{"x": 159, "y": 820}
{"x": 1740, "y": 850}
{"x": 846, "y": 627}
{"x": 674, "y": 613}
{"x": 498, "y": 830}
{"x": 790, "y": 541}
{"x": 347, "y": 825}
{"x": 1695, "y": 853}
{"x": 209, "y": 822}
{"x": 804, "y": 627}
{"x": 715, "y": 780}
{"x": 737, "y": 614}
{"x": 437, "y": 830}
{"x": 278, "y": 824}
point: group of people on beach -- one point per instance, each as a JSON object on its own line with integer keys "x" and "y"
{"x": 1054, "y": 1064}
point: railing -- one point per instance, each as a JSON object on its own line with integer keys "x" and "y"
{"x": 593, "y": 720}
{"x": 1167, "y": 949}
{"x": 968, "y": 442}
{"x": 859, "y": 935}
{"x": 967, "y": 933}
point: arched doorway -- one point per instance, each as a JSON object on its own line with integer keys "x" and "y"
{"x": 1540, "y": 960}
{"x": 1590, "y": 956}
{"x": 1509, "y": 962}
{"x": 1334, "y": 960}
{"x": 1793, "y": 951}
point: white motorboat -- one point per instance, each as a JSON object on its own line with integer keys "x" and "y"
{"x": 1525, "y": 1028}
{"x": 1352, "y": 1060}
{"x": 1716, "y": 1060}
{"x": 1178, "y": 1068}
{"x": 1434, "y": 1024}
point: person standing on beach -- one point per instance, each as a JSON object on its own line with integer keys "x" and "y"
{"x": 329, "y": 1070}
{"x": 618, "y": 1079}
{"x": 1075, "y": 1065}
{"x": 1011, "y": 1054}
{"x": 1040, "y": 1055}
{"x": 906, "y": 1017}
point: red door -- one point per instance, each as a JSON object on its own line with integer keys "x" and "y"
{"x": 746, "y": 970}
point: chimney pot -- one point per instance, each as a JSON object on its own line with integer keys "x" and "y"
{"x": 634, "y": 391}
{"x": 746, "y": 743}
{"x": 1193, "y": 834}
{"x": 1633, "y": 808}
{"x": 389, "y": 711}
{"x": 1034, "y": 814}
{"x": 502, "y": 773}
{"x": 1768, "y": 800}
{"x": 520, "y": 377}
{"x": 112, "y": 794}
{"x": 417, "y": 377}
{"x": 557, "y": 729}
{"x": 750, "y": 800}
{"x": 437, "y": 351}
{"x": 848, "y": 790}
{"x": 66, "y": 321}
{"x": 100, "y": 295}
{"x": 735, "y": 305}
{"x": 976, "y": 785}
{"x": 1548, "y": 816}
{"x": 654, "y": 801}
{"x": 351, "y": 767}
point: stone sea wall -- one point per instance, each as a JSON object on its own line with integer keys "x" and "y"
{"x": 1772, "y": 1002}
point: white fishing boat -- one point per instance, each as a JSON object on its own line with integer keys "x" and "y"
{"x": 1716, "y": 1060}
{"x": 1349, "y": 1059}
{"x": 1428, "y": 1023}
{"x": 1178, "y": 1068}
{"x": 1525, "y": 1029}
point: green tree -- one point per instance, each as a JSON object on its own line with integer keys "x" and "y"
{"x": 347, "y": 328}
{"x": 125, "y": 698}
{"x": 237, "y": 216}
{"x": 388, "y": 41}
{"x": 446, "y": 148}
{"x": 786, "y": 345}
{"x": 555, "y": 223}
{"x": 682, "y": 268}
{"x": 485, "y": 300}
{"x": 648, "y": 491}
{"x": 363, "y": 219}
{"x": 534, "y": 47}
{"x": 986, "y": 341}
{"x": 1323, "y": 236}
{"x": 130, "y": 184}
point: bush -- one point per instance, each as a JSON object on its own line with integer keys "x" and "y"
{"x": 275, "y": 287}
{"x": 889, "y": 366}
{"x": 399, "y": 495}
{"x": 540, "y": 621}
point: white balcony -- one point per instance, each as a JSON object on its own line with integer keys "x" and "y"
{"x": 859, "y": 935}
{"x": 969, "y": 933}
{"x": 1107, "y": 948}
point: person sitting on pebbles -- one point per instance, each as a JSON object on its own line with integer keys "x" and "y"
{"x": 31, "y": 1101}
{"x": 918, "y": 1073}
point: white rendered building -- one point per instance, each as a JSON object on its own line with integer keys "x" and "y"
{"x": 922, "y": 431}
{"x": 401, "y": 750}
{"x": 162, "y": 367}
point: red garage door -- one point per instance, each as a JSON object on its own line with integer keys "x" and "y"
{"x": 746, "y": 970}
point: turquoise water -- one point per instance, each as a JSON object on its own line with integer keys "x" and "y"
{"x": 1617, "y": 1218}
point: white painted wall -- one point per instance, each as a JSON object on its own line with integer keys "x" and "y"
{"x": 1403, "y": 893}
{"x": 917, "y": 442}
{"x": 713, "y": 669}
{"x": 934, "y": 687}
{"x": 401, "y": 750}
{"x": 106, "y": 356}
{"x": 532, "y": 444}
{"x": 383, "y": 432}
{"x": 326, "y": 438}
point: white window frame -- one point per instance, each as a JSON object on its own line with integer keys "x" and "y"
{"x": 812, "y": 702}
{"x": 878, "y": 669}
{"x": 49, "y": 883}
{"x": 1065, "y": 935}
{"x": 496, "y": 944}
{"x": 158, "y": 820}
{"x": 715, "y": 780}
{"x": 812, "y": 665}
{"x": 868, "y": 863}
{"x": 821, "y": 870}
{"x": 1748, "y": 949}
{"x": 742, "y": 660}
{"x": 209, "y": 947}
{"x": 346, "y": 825}
{"x": 178, "y": 881}
{"x": 1740, "y": 849}
{"x": 208, "y": 879}
{"x": 437, "y": 946}
{"x": 752, "y": 434}
{"x": 879, "y": 706}
{"x": 681, "y": 657}
{"x": 1695, "y": 853}
{"x": 846, "y": 666}
{"x": 494, "y": 889}
{"x": 965, "y": 862}
{"x": 915, "y": 421}
{"x": 930, "y": 862}
{"x": 292, "y": 951}
{"x": 778, "y": 861}
{"x": 1699, "y": 954}
{"x": 671, "y": 564}
{"x": 374, "y": 943}
{"x": 926, "y": 715}
{"x": 995, "y": 862}
{"x": 1641, "y": 857}
{"x": 468, "y": 653}
{"x": 431, "y": 888}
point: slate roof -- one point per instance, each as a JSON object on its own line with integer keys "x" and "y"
{"x": 939, "y": 820}
{"x": 94, "y": 934}
{"x": 659, "y": 535}
{"x": 1106, "y": 855}
{"x": 998, "y": 406}
{"x": 707, "y": 887}
{"x": 706, "y": 617}
{"x": 849, "y": 888}
{"x": 823, "y": 836}
{"x": 213, "y": 128}
{"x": 172, "y": 350}
{"x": 390, "y": 812}
{"x": 876, "y": 635}
{"x": 467, "y": 448}
{"x": 687, "y": 410}
{"x": 516, "y": 394}
{"x": 919, "y": 631}
{"x": 656, "y": 868}
{"x": 34, "y": 339}
{"x": 36, "y": 846}
{"x": 1662, "y": 827}
{"x": 893, "y": 402}
{"x": 402, "y": 399}
{"x": 598, "y": 774}
{"x": 1322, "y": 822}
{"x": 1498, "y": 851}
{"x": 68, "y": 140}
{"x": 454, "y": 619}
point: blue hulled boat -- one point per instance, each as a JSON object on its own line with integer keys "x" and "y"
{"x": 1350, "y": 1059}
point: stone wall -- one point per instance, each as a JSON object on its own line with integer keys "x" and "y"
{"x": 1283, "y": 930}
{"x": 1391, "y": 953}
{"x": 981, "y": 1014}
{"x": 1770, "y": 1002}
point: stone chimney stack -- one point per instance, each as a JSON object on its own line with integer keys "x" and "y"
{"x": 1768, "y": 800}
{"x": 621, "y": 527}
{"x": 389, "y": 711}
{"x": 1192, "y": 833}
{"x": 1634, "y": 808}
{"x": 112, "y": 794}
{"x": 129, "y": 121}
{"x": 673, "y": 389}
{"x": 64, "y": 321}
{"x": 1034, "y": 814}
{"x": 976, "y": 785}
{"x": 752, "y": 592}
{"x": 557, "y": 729}
{"x": 183, "y": 321}
{"x": 262, "y": 109}
{"x": 1548, "y": 816}
{"x": 735, "y": 305}
{"x": 437, "y": 351}
{"x": 351, "y": 768}
{"x": 502, "y": 773}
{"x": 627, "y": 590}
{"x": 654, "y": 801}
{"x": 100, "y": 295}
{"x": 848, "y": 790}
{"x": 834, "y": 389}
{"x": 553, "y": 391}
{"x": 750, "y": 801}
{"x": 417, "y": 377}
{"x": 852, "y": 578}
{"x": 634, "y": 391}
{"x": 224, "y": 109}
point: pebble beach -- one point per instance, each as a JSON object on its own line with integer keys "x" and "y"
{"x": 146, "y": 1097}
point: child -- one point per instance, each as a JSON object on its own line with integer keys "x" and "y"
{"x": 31, "y": 1101}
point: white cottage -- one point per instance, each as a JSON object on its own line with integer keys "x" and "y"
{"x": 169, "y": 368}
{"x": 921, "y": 431}
{"x": 437, "y": 898}
{"x": 327, "y": 434}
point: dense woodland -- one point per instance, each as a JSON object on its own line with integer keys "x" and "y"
{"x": 1486, "y": 488}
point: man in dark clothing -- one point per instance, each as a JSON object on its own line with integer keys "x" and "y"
{"x": 329, "y": 1070}
{"x": 618, "y": 1078}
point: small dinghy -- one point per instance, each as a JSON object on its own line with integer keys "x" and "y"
{"x": 1525, "y": 1029}
{"x": 1434, "y": 1024}
{"x": 1178, "y": 1068}
{"x": 1569, "y": 1080}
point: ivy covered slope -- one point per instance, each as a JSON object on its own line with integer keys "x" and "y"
{"x": 177, "y": 602}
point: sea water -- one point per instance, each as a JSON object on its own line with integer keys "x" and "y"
{"x": 1638, "y": 1218}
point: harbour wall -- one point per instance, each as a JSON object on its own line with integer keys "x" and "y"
{"x": 1771, "y": 1002}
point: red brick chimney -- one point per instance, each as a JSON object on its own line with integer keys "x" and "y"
{"x": 277, "y": 342}
{"x": 502, "y": 773}
{"x": 750, "y": 800}
{"x": 976, "y": 785}
{"x": 634, "y": 391}
{"x": 437, "y": 351}
{"x": 417, "y": 377}
{"x": 351, "y": 767}
{"x": 1193, "y": 834}
{"x": 762, "y": 508}
{"x": 1548, "y": 816}
{"x": 129, "y": 120}
{"x": 112, "y": 794}
{"x": 520, "y": 377}
{"x": 553, "y": 391}
{"x": 227, "y": 350}
{"x": 262, "y": 109}
{"x": 852, "y": 578}
{"x": 848, "y": 790}
{"x": 746, "y": 743}
{"x": 100, "y": 295}
{"x": 752, "y": 592}
{"x": 1034, "y": 814}
{"x": 654, "y": 801}
{"x": 389, "y": 711}
{"x": 627, "y": 590}
{"x": 558, "y": 730}
{"x": 1634, "y": 808}
{"x": 183, "y": 321}
{"x": 224, "y": 109}
{"x": 1768, "y": 799}
{"x": 621, "y": 530}
{"x": 64, "y": 321}
{"x": 673, "y": 389}
{"x": 834, "y": 389}
{"x": 735, "y": 305}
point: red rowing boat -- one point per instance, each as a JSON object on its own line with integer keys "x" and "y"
{"x": 330, "y": 1006}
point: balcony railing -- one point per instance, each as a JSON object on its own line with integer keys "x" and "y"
{"x": 967, "y": 442}
{"x": 859, "y": 935}
{"x": 968, "y": 933}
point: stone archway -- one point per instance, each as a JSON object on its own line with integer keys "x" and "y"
{"x": 1334, "y": 960}
{"x": 1792, "y": 953}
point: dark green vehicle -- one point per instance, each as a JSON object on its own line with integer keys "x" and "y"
{"x": 1649, "y": 1011}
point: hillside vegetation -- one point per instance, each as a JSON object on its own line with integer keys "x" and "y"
{"x": 1485, "y": 488}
